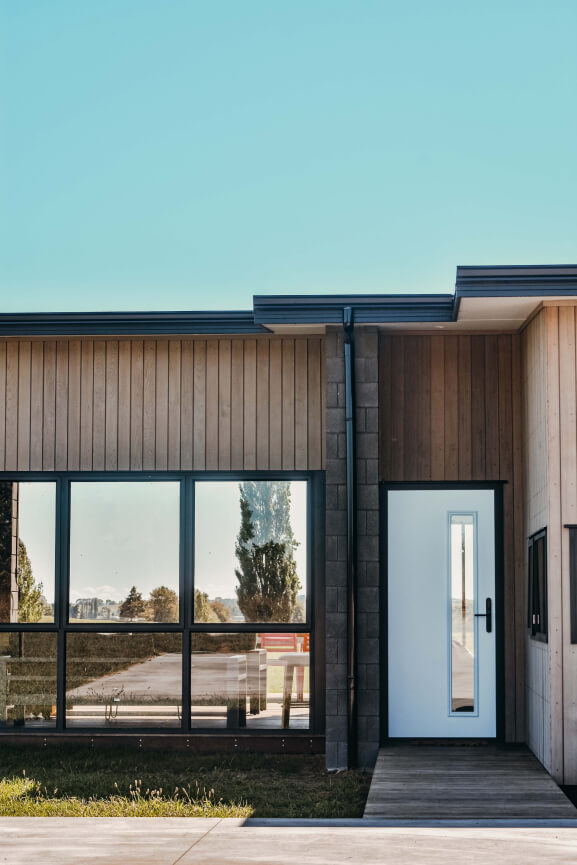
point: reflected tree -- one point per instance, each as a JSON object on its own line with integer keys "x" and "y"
{"x": 133, "y": 606}
{"x": 270, "y": 503}
{"x": 163, "y": 605}
{"x": 30, "y": 600}
{"x": 267, "y": 579}
{"x": 203, "y": 609}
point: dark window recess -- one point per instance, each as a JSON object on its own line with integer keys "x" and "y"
{"x": 537, "y": 586}
{"x": 573, "y": 580}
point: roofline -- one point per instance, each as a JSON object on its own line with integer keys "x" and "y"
{"x": 130, "y": 323}
{"x": 557, "y": 280}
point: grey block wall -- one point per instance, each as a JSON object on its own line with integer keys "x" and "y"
{"x": 367, "y": 421}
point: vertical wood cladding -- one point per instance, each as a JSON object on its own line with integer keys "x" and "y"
{"x": 157, "y": 404}
{"x": 450, "y": 410}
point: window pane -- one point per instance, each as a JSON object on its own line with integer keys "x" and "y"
{"x": 28, "y": 680}
{"x": 253, "y": 681}
{"x": 27, "y": 542}
{"x": 123, "y": 680}
{"x": 124, "y": 551}
{"x": 251, "y": 551}
{"x": 462, "y": 613}
{"x": 540, "y": 605}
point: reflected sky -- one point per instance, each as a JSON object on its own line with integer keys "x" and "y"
{"x": 132, "y": 536}
{"x": 123, "y": 534}
{"x": 36, "y": 512}
{"x": 217, "y": 525}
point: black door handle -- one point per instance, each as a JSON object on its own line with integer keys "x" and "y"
{"x": 486, "y": 615}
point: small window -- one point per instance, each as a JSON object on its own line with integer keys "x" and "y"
{"x": 537, "y": 586}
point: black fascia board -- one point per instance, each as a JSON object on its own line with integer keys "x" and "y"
{"x": 516, "y": 281}
{"x": 367, "y": 309}
{"x": 120, "y": 323}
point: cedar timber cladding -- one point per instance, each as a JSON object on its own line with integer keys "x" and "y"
{"x": 451, "y": 411}
{"x": 157, "y": 404}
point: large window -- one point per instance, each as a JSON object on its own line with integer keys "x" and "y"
{"x": 171, "y": 602}
{"x": 537, "y": 586}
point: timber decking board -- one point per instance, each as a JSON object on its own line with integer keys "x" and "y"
{"x": 463, "y": 782}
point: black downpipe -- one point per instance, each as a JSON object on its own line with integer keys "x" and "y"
{"x": 351, "y": 484}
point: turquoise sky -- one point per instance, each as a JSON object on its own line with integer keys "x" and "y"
{"x": 178, "y": 154}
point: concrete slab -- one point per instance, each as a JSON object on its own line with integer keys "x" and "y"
{"x": 98, "y": 840}
{"x": 168, "y": 841}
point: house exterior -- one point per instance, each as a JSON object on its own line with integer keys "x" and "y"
{"x": 419, "y": 457}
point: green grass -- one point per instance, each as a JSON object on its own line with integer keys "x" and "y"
{"x": 63, "y": 781}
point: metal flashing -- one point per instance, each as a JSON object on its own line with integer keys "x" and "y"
{"x": 118, "y": 323}
{"x": 368, "y": 309}
{"x": 516, "y": 281}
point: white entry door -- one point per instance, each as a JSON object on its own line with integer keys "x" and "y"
{"x": 441, "y": 613}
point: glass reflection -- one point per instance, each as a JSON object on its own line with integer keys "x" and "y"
{"x": 251, "y": 551}
{"x": 28, "y": 680}
{"x": 462, "y": 613}
{"x": 124, "y": 551}
{"x": 123, "y": 680}
{"x": 257, "y": 681}
{"x": 27, "y": 529}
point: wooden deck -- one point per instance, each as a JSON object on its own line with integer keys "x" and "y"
{"x": 463, "y": 782}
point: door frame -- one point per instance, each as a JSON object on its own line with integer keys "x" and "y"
{"x": 497, "y": 487}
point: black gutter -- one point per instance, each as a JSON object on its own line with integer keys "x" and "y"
{"x": 119, "y": 323}
{"x": 351, "y": 483}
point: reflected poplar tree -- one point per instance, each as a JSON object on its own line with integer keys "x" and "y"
{"x": 267, "y": 579}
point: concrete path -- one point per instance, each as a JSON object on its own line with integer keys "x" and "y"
{"x": 182, "y": 841}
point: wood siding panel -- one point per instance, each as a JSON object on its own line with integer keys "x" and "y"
{"x": 157, "y": 404}
{"x": 24, "y": 360}
{"x": 174, "y": 404}
{"x": 99, "y": 408}
{"x": 212, "y": 404}
{"x": 111, "y": 414}
{"x": 136, "y": 404}
{"x": 149, "y": 406}
{"x": 199, "y": 454}
{"x": 262, "y": 404}
{"x": 74, "y": 401}
{"x": 49, "y": 419}
{"x": 187, "y": 404}
{"x": 86, "y": 403}
{"x": 124, "y": 374}
{"x": 161, "y": 405}
{"x": 450, "y": 410}
{"x": 301, "y": 404}
{"x": 288, "y": 404}
{"x": 554, "y": 573}
{"x": 237, "y": 405}
{"x": 275, "y": 406}
{"x": 36, "y": 404}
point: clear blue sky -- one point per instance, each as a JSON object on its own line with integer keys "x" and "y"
{"x": 184, "y": 154}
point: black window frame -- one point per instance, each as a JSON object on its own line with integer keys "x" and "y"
{"x": 62, "y": 625}
{"x": 537, "y": 617}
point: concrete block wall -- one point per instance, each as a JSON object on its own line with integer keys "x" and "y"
{"x": 366, "y": 373}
